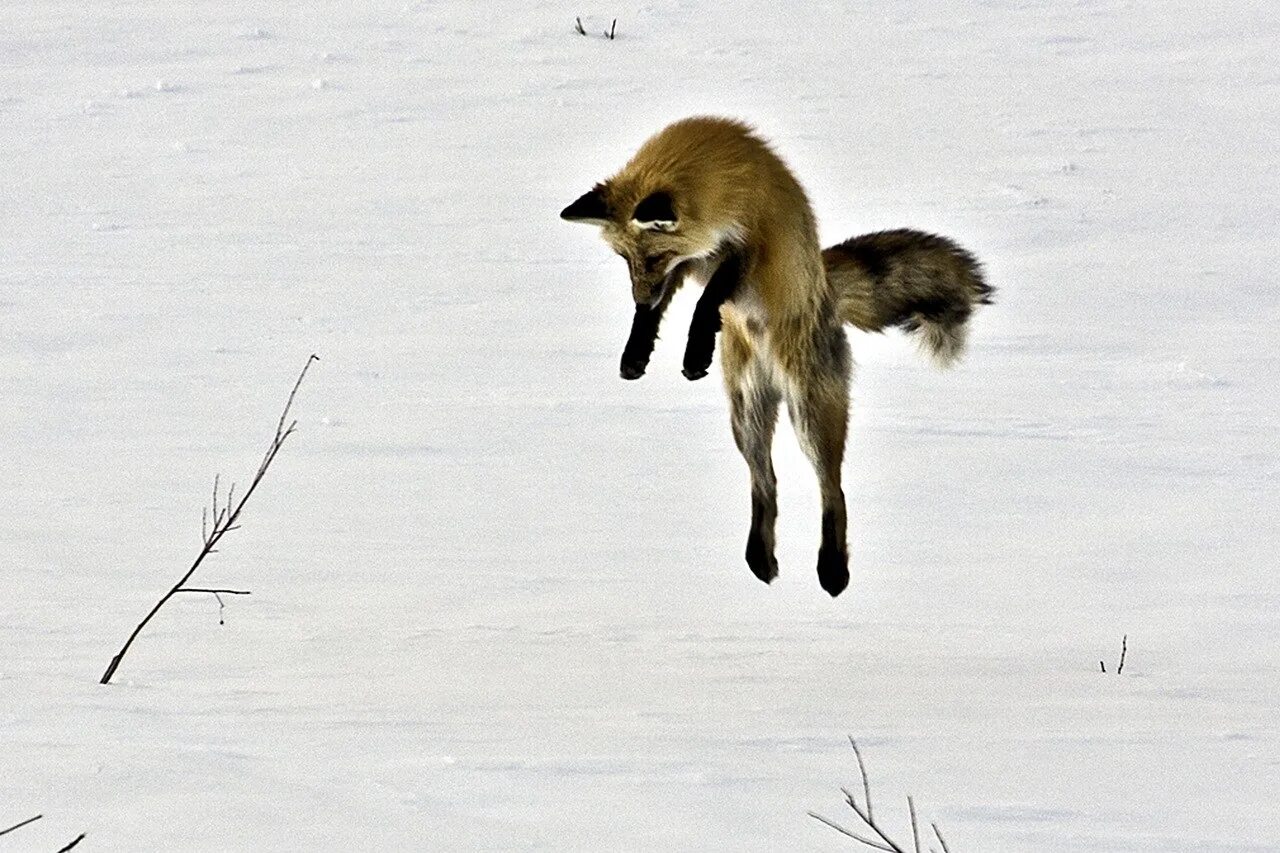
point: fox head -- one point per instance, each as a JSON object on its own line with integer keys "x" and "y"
{"x": 650, "y": 231}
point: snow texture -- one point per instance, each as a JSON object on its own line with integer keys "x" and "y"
{"x": 498, "y": 598}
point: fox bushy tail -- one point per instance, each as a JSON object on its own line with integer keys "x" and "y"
{"x": 922, "y": 283}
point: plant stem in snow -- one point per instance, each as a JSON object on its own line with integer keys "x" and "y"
{"x": 223, "y": 521}
{"x": 73, "y": 843}
{"x": 20, "y": 825}
{"x": 884, "y": 842}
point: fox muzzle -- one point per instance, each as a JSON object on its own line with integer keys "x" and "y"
{"x": 652, "y": 290}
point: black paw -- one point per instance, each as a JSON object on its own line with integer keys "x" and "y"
{"x": 833, "y": 570}
{"x": 697, "y": 357}
{"x": 761, "y": 560}
{"x": 632, "y": 369}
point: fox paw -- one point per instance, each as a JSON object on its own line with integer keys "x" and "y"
{"x": 833, "y": 570}
{"x": 693, "y": 373}
{"x": 761, "y": 561}
{"x": 697, "y": 358}
{"x": 632, "y": 369}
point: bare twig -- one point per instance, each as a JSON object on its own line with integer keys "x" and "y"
{"x": 915, "y": 829}
{"x": 20, "y": 825}
{"x": 222, "y": 523}
{"x": 610, "y": 34}
{"x": 862, "y": 771}
{"x": 217, "y": 516}
{"x": 867, "y": 841}
{"x": 941, "y": 840}
{"x": 875, "y": 827}
{"x": 1124, "y": 649}
{"x": 215, "y": 591}
{"x": 73, "y": 843}
{"x": 868, "y": 819}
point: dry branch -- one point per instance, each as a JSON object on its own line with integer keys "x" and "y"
{"x": 941, "y": 840}
{"x": 20, "y": 825}
{"x": 882, "y": 840}
{"x": 862, "y": 771}
{"x": 915, "y": 829}
{"x": 1124, "y": 649}
{"x": 867, "y": 841}
{"x": 73, "y": 843}
{"x": 223, "y": 521}
{"x": 215, "y": 591}
{"x": 610, "y": 34}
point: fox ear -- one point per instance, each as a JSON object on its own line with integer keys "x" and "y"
{"x": 591, "y": 207}
{"x": 657, "y": 212}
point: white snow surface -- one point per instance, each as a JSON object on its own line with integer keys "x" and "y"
{"x": 498, "y": 597}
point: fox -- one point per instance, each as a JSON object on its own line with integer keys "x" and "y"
{"x": 707, "y": 200}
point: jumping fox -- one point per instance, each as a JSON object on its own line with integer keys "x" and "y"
{"x": 707, "y": 199}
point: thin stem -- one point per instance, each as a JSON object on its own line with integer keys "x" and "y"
{"x": 862, "y": 771}
{"x": 20, "y": 825}
{"x": 214, "y": 591}
{"x": 73, "y": 843}
{"x": 222, "y": 523}
{"x": 941, "y": 840}
{"x": 289, "y": 403}
{"x": 1124, "y": 648}
{"x": 866, "y": 818}
{"x": 867, "y": 841}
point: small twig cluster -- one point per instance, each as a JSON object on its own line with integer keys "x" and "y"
{"x": 1124, "y": 648}
{"x": 610, "y": 33}
{"x": 882, "y": 841}
{"x": 216, "y": 522}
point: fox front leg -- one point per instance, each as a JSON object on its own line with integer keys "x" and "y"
{"x": 706, "y": 317}
{"x": 644, "y": 332}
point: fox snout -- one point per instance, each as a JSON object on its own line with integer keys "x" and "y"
{"x": 648, "y": 292}
{"x": 650, "y": 287}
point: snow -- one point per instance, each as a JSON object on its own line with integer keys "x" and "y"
{"x": 498, "y": 595}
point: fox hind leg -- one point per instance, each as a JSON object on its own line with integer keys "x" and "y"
{"x": 754, "y": 398}
{"x": 818, "y": 402}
